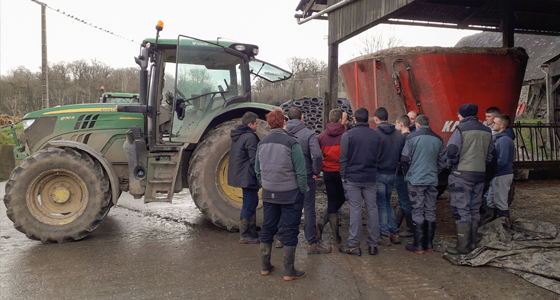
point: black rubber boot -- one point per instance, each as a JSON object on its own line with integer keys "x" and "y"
{"x": 489, "y": 216}
{"x": 409, "y": 231}
{"x": 333, "y": 220}
{"x": 429, "y": 233}
{"x": 266, "y": 267}
{"x": 253, "y": 227}
{"x": 290, "y": 272}
{"x": 245, "y": 233}
{"x": 502, "y": 213}
{"x": 399, "y": 215}
{"x": 463, "y": 239}
{"x": 416, "y": 247}
{"x": 323, "y": 219}
{"x": 474, "y": 236}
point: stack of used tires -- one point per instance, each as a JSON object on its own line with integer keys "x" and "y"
{"x": 312, "y": 109}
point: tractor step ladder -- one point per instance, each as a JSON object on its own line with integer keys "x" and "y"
{"x": 162, "y": 173}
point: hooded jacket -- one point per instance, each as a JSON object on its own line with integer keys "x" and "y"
{"x": 504, "y": 150}
{"x": 241, "y": 168}
{"x": 329, "y": 141}
{"x": 392, "y": 142}
{"x": 309, "y": 146}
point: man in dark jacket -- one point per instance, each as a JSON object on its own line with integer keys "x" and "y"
{"x": 358, "y": 167}
{"x": 313, "y": 163}
{"x": 504, "y": 149}
{"x": 404, "y": 211}
{"x": 423, "y": 158}
{"x": 392, "y": 142}
{"x": 468, "y": 151}
{"x": 329, "y": 140}
{"x": 280, "y": 167}
{"x": 241, "y": 174}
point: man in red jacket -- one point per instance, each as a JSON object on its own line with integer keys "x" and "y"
{"x": 329, "y": 140}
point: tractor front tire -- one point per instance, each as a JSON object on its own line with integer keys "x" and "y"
{"x": 57, "y": 195}
{"x": 218, "y": 202}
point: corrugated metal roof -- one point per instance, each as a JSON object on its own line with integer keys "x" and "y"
{"x": 540, "y": 48}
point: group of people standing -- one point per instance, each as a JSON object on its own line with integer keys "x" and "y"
{"x": 365, "y": 163}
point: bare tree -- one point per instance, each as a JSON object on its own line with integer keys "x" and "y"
{"x": 383, "y": 39}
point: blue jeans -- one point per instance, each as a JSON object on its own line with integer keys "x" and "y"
{"x": 285, "y": 216}
{"x": 250, "y": 202}
{"x": 387, "y": 220}
{"x": 402, "y": 190}
{"x": 354, "y": 192}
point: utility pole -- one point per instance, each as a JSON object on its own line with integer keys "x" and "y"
{"x": 44, "y": 67}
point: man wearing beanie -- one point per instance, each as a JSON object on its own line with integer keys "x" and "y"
{"x": 468, "y": 151}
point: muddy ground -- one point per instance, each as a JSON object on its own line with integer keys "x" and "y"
{"x": 170, "y": 251}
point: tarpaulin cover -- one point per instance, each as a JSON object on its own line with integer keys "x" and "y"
{"x": 530, "y": 249}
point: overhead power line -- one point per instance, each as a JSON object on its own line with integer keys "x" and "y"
{"x": 83, "y": 21}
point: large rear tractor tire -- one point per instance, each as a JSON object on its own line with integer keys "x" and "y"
{"x": 218, "y": 202}
{"x": 57, "y": 195}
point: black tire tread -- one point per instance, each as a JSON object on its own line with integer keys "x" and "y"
{"x": 10, "y": 200}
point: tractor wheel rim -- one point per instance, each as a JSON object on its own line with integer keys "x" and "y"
{"x": 234, "y": 195}
{"x": 57, "y": 197}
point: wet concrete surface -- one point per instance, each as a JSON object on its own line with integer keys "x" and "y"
{"x": 170, "y": 251}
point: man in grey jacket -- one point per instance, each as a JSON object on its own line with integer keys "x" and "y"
{"x": 313, "y": 163}
{"x": 469, "y": 150}
{"x": 280, "y": 167}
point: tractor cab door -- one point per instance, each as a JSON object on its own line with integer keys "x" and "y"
{"x": 205, "y": 78}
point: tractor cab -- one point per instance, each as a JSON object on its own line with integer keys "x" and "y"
{"x": 119, "y": 98}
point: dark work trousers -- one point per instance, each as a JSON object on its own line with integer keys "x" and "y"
{"x": 310, "y": 219}
{"x": 335, "y": 191}
{"x": 423, "y": 199}
{"x": 285, "y": 216}
{"x": 402, "y": 191}
{"x": 250, "y": 202}
{"x": 387, "y": 220}
{"x": 355, "y": 191}
{"x": 497, "y": 195}
{"x": 466, "y": 198}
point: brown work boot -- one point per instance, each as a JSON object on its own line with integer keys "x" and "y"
{"x": 395, "y": 239}
{"x": 384, "y": 241}
{"x": 317, "y": 248}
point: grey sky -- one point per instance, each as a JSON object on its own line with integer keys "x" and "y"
{"x": 269, "y": 24}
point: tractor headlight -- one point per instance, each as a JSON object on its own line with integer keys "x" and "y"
{"x": 240, "y": 48}
{"x": 255, "y": 51}
{"x": 27, "y": 123}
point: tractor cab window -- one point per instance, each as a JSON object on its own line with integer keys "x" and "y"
{"x": 205, "y": 78}
{"x": 267, "y": 71}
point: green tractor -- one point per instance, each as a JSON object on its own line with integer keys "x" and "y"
{"x": 80, "y": 158}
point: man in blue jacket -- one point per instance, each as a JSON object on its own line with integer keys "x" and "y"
{"x": 358, "y": 167}
{"x": 280, "y": 167}
{"x": 423, "y": 158}
{"x": 313, "y": 163}
{"x": 504, "y": 149}
{"x": 241, "y": 174}
{"x": 469, "y": 150}
{"x": 392, "y": 142}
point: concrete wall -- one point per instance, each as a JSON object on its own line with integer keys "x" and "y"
{"x": 7, "y": 161}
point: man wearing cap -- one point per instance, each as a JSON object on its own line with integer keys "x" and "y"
{"x": 468, "y": 151}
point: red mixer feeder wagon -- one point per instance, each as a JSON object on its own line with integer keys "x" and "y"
{"x": 435, "y": 81}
